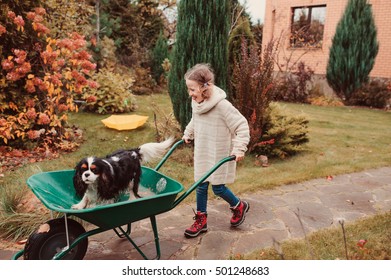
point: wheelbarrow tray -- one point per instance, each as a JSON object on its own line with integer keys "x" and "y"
{"x": 56, "y": 191}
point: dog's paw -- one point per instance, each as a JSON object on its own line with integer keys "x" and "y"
{"x": 77, "y": 207}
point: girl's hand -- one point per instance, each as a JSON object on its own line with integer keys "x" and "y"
{"x": 187, "y": 141}
{"x": 239, "y": 158}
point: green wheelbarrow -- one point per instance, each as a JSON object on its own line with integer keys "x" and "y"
{"x": 65, "y": 238}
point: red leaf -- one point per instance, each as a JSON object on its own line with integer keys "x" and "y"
{"x": 361, "y": 243}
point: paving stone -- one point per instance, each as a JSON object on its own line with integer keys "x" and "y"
{"x": 260, "y": 239}
{"x": 302, "y": 196}
{"x": 215, "y": 246}
{"x": 313, "y": 215}
{"x": 354, "y": 201}
{"x": 290, "y": 221}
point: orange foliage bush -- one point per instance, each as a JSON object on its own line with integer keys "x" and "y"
{"x": 39, "y": 78}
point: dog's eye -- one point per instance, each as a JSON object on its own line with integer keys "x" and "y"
{"x": 94, "y": 169}
{"x": 84, "y": 166}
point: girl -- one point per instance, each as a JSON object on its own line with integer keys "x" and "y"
{"x": 218, "y": 130}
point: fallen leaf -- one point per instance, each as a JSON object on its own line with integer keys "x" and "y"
{"x": 329, "y": 178}
{"x": 17, "y": 153}
{"x": 361, "y": 243}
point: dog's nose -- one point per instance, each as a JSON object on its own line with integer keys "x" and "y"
{"x": 86, "y": 174}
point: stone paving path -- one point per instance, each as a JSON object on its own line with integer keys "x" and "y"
{"x": 320, "y": 204}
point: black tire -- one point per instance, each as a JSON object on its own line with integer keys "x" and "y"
{"x": 50, "y": 238}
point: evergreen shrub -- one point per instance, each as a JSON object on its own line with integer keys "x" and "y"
{"x": 353, "y": 50}
{"x": 202, "y": 36}
{"x": 284, "y": 135}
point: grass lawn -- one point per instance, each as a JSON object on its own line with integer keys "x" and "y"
{"x": 342, "y": 140}
{"x": 328, "y": 244}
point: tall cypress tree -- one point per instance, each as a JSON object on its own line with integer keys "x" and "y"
{"x": 353, "y": 51}
{"x": 202, "y": 36}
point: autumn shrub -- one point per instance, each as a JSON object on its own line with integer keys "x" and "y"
{"x": 376, "y": 94}
{"x": 114, "y": 83}
{"x": 113, "y": 93}
{"x": 272, "y": 133}
{"x": 39, "y": 78}
{"x": 252, "y": 80}
{"x": 139, "y": 79}
{"x": 69, "y": 16}
{"x": 108, "y": 59}
{"x": 325, "y": 101}
{"x": 319, "y": 98}
{"x": 242, "y": 31}
{"x": 294, "y": 86}
{"x": 143, "y": 81}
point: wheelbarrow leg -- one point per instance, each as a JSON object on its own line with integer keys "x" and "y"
{"x": 128, "y": 230}
{"x": 155, "y": 234}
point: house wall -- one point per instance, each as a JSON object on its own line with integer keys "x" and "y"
{"x": 277, "y": 25}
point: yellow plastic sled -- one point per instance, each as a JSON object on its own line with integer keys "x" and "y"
{"x": 124, "y": 122}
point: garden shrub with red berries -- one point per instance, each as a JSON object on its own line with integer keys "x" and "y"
{"x": 39, "y": 78}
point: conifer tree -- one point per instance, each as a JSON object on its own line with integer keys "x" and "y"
{"x": 353, "y": 51}
{"x": 202, "y": 36}
{"x": 159, "y": 53}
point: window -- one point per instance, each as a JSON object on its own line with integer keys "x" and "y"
{"x": 307, "y": 27}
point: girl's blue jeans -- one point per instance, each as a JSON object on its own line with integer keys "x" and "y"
{"x": 219, "y": 190}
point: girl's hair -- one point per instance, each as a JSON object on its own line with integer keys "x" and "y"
{"x": 202, "y": 73}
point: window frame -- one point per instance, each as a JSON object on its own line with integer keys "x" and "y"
{"x": 295, "y": 41}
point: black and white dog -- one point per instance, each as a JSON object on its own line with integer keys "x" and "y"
{"x": 102, "y": 180}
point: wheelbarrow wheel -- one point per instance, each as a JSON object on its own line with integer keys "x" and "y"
{"x": 50, "y": 238}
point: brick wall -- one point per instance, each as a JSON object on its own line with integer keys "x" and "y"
{"x": 277, "y": 25}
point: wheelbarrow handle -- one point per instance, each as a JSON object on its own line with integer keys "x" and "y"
{"x": 202, "y": 179}
{"x": 166, "y": 156}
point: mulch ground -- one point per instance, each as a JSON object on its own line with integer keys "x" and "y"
{"x": 11, "y": 159}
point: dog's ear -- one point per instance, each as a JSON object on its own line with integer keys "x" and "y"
{"x": 80, "y": 186}
{"x": 106, "y": 184}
